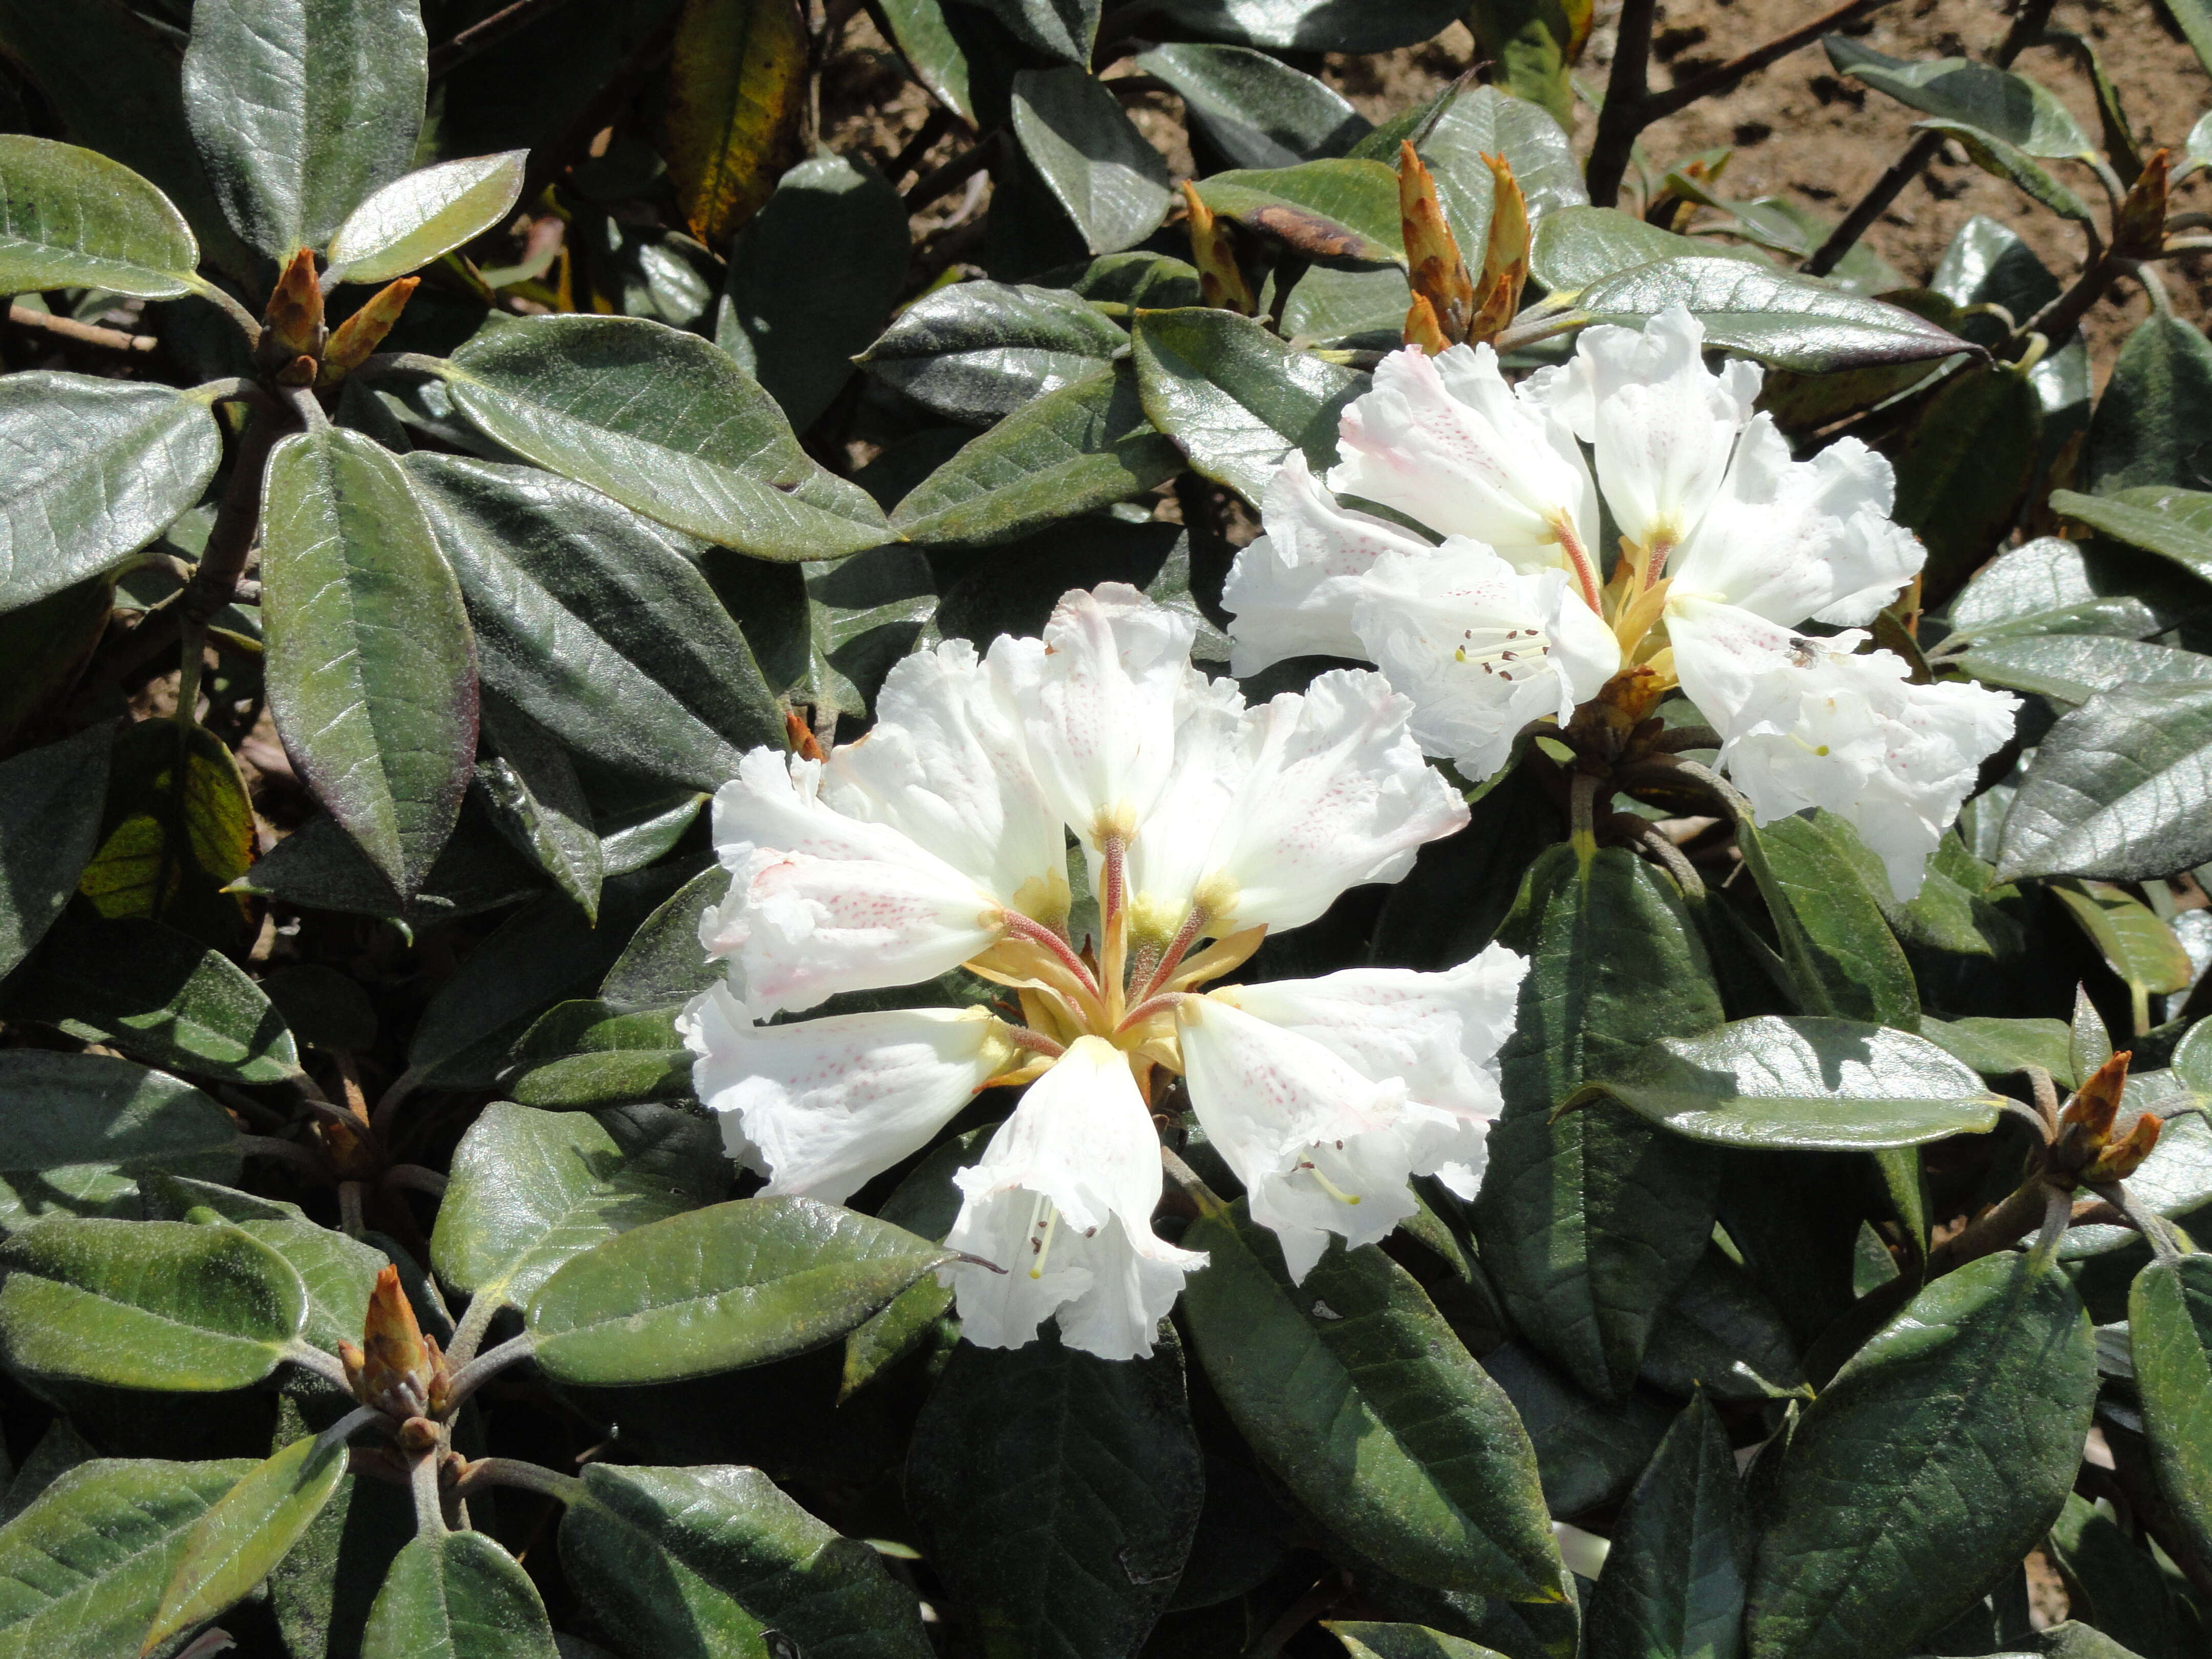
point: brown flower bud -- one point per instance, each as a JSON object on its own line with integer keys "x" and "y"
{"x": 398, "y": 1368}
{"x": 293, "y": 325}
{"x": 1433, "y": 264}
{"x": 2124, "y": 1157}
{"x": 363, "y": 332}
{"x": 1422, "y": 328}
{"x": 1220, "y": 279}
{"x": 2097, "y": 1101}
{"x": 2139, "y": 228}
{"x": 1505, "y": 256}
{"x": 796, "y": 733}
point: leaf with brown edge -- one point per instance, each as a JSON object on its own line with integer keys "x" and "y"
{"x": 736, "y": 89}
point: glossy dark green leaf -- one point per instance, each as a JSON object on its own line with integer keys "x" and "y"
{"x": 595, "y": 624}
{"x": 1347, "y": 308}
{"x": 976, "y": 351}
{"x": 50, "y": 810}
{"x": 82, "y": 1566}
{"x": 1575, "y": 245}
{"x": 2074, "y": 668}
{"x": 1112, "y": 183}
{"x": 337, "y": 1272}
{"x": 1323, "y": 25}
{"x": 320, "y": 1593}
{"x": 95, "y": 470}
{"x": 1477, "y": 121}
{"x": 1934, "y": 1460}
{"x": 319, "y": 867}
{"x": 2010, "y": 105}
{"x": 1359, "y": 1399}
{"x": 2001, "y": 159}
{"x": 531, "y": 1189}
{"x": 1065, "y": 29}
{"x": 925, "y": 1203}
{"x": 76, "y": 1128}
{"x": 663, "y": 963}
{"x": 146, "y": 1304}
{"x": 1087, "y": 446}
{"x": 370, "y": 665}
{"x": 2170, "y": 1315}
{"x": 1674, "y": 1581}
{"x": 1588, "y": 1451}
{"x": 545, "y": 953}
{"x": 71, "y": 218}
{"x": 588, "y": 1053}
{"x": 1255, "y": 109}
{"x": 2174, "y": 524}
{"x": 2112, "y": 1579}
{"x": 156, "y": 994}
{"x": 1963, "y": 466}
{"x": 1805, "y": 1083}
{"x": 666, "y": 425}
{"x": 2000, "y": 1048}
{"x": 1366, "y": 1639}
{"x": 1452, "y": 902}
{"x": 1060, "y": 1493}
{"x": 2135, "y": 941}
{"x": 962, "y": 54}
{"x": 2054, "y": 587}
{"x": 457, "y": 1596}
{"x": 716, "y": 1289}
{"x": 827, "y": 634}
{"x": 1840, "y": 950}
{"x": 698, "y": 1563}
{"x": 1724, "y": 1334}
{"x": 1783, "y": 321}
{"x": 1533, "y": 43}
{"x": 426, "y": 213}
{"x": 531, "y": 794}
{"x": 2117, "y": 789}
{"x": 1340, "y": 210}
{"x": 2149, "y": 422}
{"x": 1590, "y": 1222}
{"x": 1236, "y": 399}
{"x": 300, "y": 108}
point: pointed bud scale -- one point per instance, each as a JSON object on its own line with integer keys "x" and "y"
{"x": 1434, "y": 264}
{"x": 2097, "y": 1101}
{"x": 1422, "y": 328}
{"x": 1505, "y": 258}
{"x": 2123, "y": 1157}
{"x": 362, "y": 332}
{"x": 292, "y": 324}
{"x": 396, "y": 1368}
{"x": 1220, "y": 280}
{"x": 2139, "y": 228}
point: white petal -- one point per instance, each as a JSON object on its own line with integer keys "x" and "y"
{"x": 1099, "y": 698}
{"x": 825, "y": 1105}
{"x": 1441, "y": 628}
{"x": 1789, "y": 539}
{"x": 1447, "y": 442}
{"x": 1295, "y": 1120}
{"x": 820, "y": 902}
{"x": 1662, "y": 424}
{"x": 1081, "y": 1140}
{"x": 1176, "y": 846}
{"x": 946, "y": 763}
{"x": 1811, "y": 723}
{"x": 1290, "y": 592}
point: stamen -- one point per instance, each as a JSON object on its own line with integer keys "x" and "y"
{"x": 1040, "y": 1245}
{"x": 1579, "y": 562}
{"x": 1327, "y": 1185}
{"x": 1022, "y": 926}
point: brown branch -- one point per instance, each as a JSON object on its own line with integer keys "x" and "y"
{"x": 1620, "y": 121}
{"x": 942, "y": 181}
{"x": 68, "y": 328}
{"x": 1724, "y": 76}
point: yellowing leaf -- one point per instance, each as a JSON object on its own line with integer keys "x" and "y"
{"x": 737, "y": 87}
{"x": 178, "y": 828}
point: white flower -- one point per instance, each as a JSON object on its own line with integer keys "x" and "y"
{"x": 1062, "y": 1200}
{"x": 822, "y": 1106}
{"x": 1482, "y": 649}
{"x": 1813, "y": 722}
{"x": 1325, "y": 1096}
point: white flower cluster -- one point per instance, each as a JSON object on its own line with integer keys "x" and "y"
{"x": 1728, "y": 546}
{"x": 941, "y": 839}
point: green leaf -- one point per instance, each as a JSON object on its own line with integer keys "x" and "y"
{"x": 1802, "y": 1083}
{"x": 976, "y": 351}
{"x": 1534, "y": 44}
{"x": 1236, "y": 399}
{"x": 71, "y": 218}
{"x": 2174, "y": 524}
{"x": 1959, "y": 89}
{"x": 699, "y": 1563}
{"x": 790, "y": 332}
{"x": 1092, "y": 159}
{"x": 146, "y": 1304}
{"x": 1358, "y": 1397}
{"x": 531, "y": 1190}
{"x": 176, "y": 828}
{"x": 1783, "y": 321}
{"x": 1722, "y": 1333}
{"x": 300, "y": 108}
{"x": 2150, "y": 423}
{"x": 1575, "y": 245}
{"x": 827, "y": 634}
{"x": 1066, "y": 29}
{"x": 1477, "y": 121}
{"x": 1588, "y": 1451}
{"x": 2136, "y": 942}
{"x": 1674, "y": 1581}
{"x": 594, "y": 623}
{"x": 666, "y": 425}
{"x": 1840, "y": 951}
{"x": 2117, "y": 789}
{"x": 2113, "y": 1579}
{"x": 337, "y": 1272}
{"x": 415, "y": 219}
{"x": 2053, "y": 586}
{"x": 1460, "y": 889}
{"x": 1366, "y": 1639}
{"x": 50, "y": 811}
{"x": 2001, "y": 160}
{"x": 1964, "y": 465}
{"x": 1589, "y": 1224}
{"x": 370, "y": 665}
{"x": 532, "y": 795}
{"x": 97, "y": 469}
{"x": 1257, "y": 110}
{"x": 2002, "y": 1048}
{"x": 663, "y": 963}
{"x": 1933, "y": 1462}
{"x": 2170, "y": 1314}
{"x": 962, "y": 55}
{"x": 1084, "y": 446}
{"x": 2073, "y": 668}
{"x": 158, "y": 995}
{"x": 1060, "y": 1493}
{"x": 588, "y": 1053}
{"x": 76, "y": 1128}
{"x": 319, "y": 867}
{"x": 713, "y": 1290}
{"x": 926, "y": 1204}
{"x": 1342, "y": 210}
{"x": 1322, "y": 25}
{"x": 457, "y": 1596}
{"x": 320, "y": 1593}
{"x": 82, "y": 1566}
